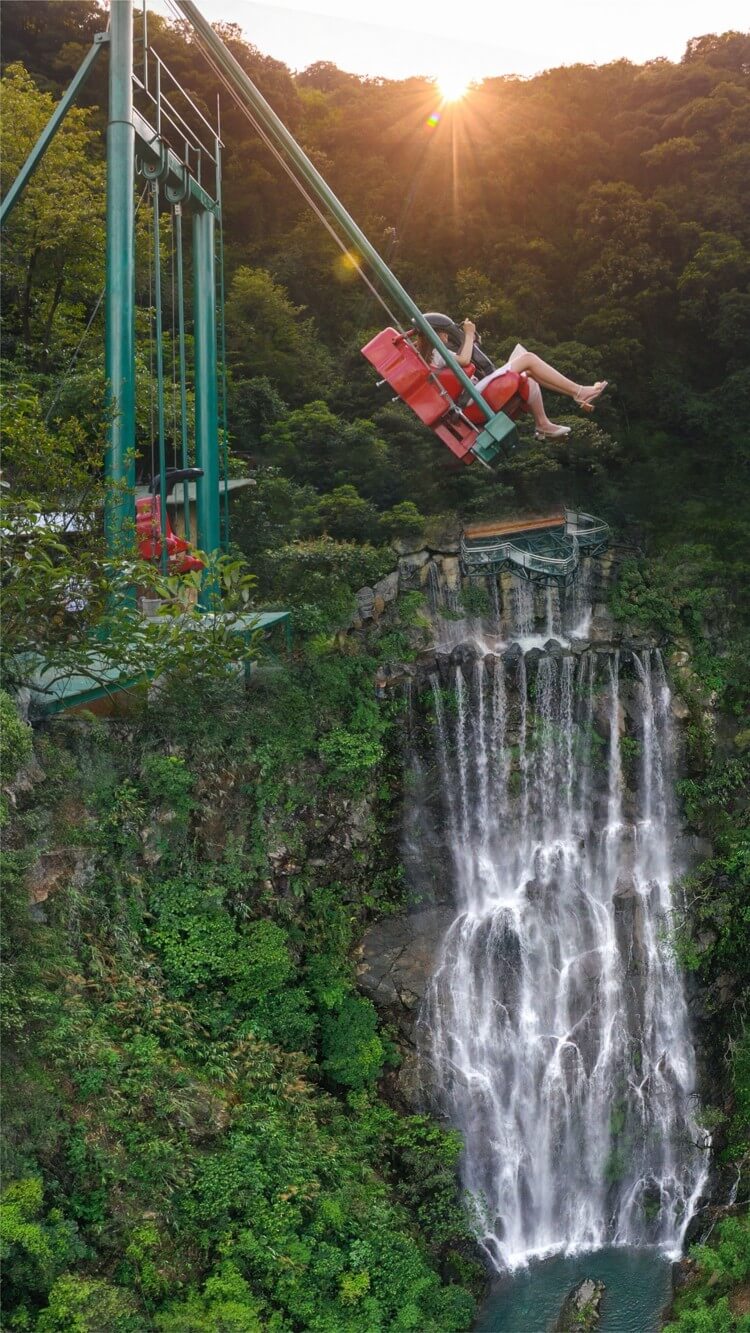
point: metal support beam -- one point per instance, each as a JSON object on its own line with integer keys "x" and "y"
{"x": 120, "y": 282}
{"x": 175, "y": 174}
{"x": 51, "y": 128}
{"x": 206, "y": 396}
{"x": 277, "y": 131}
{"x": 162, "y": 438}
{"x": 223, "y": 356}
{"x": 183, "y": 384}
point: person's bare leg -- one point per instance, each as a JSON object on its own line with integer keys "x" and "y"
{"x": 538, "y": 412}
{"x": 550, "y": 378}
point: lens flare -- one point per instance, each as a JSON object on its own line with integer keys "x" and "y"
{"x": 433, "y": 120}
{"x": 347, "y": 265}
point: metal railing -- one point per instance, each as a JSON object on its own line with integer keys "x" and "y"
{"x": 495, "y": 555}
{"x": 539, "y": 555}
{"x": 194, "y": 142}
{"x": 589, "y": 530}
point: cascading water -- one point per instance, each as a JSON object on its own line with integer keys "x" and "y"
{"x": 521, "y": 609}
{"x": 555, "y": 1025}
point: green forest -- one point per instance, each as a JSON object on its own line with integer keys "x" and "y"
{"x": 199, "y": 1131}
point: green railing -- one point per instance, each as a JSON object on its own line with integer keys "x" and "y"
{"x": 591, "y": 533}
{"x": 557, "y": 559}
{"x": 553, "y": 554}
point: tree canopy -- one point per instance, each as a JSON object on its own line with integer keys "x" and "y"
{"x": 193, "y": 1136}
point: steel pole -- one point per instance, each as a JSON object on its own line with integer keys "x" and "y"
{"x": 222, "y": 351}
{"x": 160, "y": 376}
{"x": 183, "y": 385}
{"x": 277, "y": 130}
{"x": 50, "y": 130}
{"x": 206, "y": 395}
{"x": 120, "y": 283}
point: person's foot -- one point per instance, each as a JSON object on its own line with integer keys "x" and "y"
{"x": 551, "y": 432}
{"x": 588, "y": 393}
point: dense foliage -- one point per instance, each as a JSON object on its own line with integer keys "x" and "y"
{"x": 193, "y": 1135}
{"x": 640, "y": 270}
{"x": 716, "y": 1299}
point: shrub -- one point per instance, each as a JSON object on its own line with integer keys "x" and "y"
{"x": 475, "y": 600}
{"x": 353, "y": 1053}
{"x": 88, "y": 1305}
{"x": 403, "y": 520}
{"x": 34, "y": 1249}
{"x": 226, "y": 1303}
{"x": 345, "y": 515}
{"x": 15, "y": 739}
{"x": 202, "y": 945}
{"x": 317, "y": 578}
{"x": 166, "y": 778}
{"x": 350, "y": 756}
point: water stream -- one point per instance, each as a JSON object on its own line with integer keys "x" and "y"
{"x": 637, "y": 1291}
{"x": 554, "y": 1032}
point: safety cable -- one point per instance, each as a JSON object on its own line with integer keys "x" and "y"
{"x": 152, "y": 430}
{"x": 395, "y": 320}
{"x": 174, "y": 349}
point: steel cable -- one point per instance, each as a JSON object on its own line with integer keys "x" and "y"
{"x": 395, "y": 320}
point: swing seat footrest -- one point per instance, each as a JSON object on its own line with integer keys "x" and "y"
{"x": 497, "y": 436}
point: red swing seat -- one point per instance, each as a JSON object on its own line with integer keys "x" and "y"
{"x": 508, "y": 393}
{"x": 433, "y": 395}
{"x": 181, "y": 558}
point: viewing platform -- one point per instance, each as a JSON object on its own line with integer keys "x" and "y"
{"x": 540, "y": 548}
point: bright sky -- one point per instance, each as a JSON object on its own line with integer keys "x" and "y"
{"x": 398, "y": 38}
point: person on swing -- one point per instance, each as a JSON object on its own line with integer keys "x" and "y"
{"x": 538, "y": 372}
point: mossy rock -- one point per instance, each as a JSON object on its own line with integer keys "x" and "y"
{"x": 581, "y": 1310}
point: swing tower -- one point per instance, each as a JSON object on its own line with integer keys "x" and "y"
{"x": 156, "y": 131}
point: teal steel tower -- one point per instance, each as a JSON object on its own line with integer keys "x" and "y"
{"x": 119, "y": 356}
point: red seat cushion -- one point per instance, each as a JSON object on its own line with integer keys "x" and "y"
{"x": 180, "y": 554}
{"x": 499, "y": 395}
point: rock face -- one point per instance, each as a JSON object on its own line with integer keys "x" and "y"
{"x": 581, "y": 1310}
{"x": 56, "y": 868}
{"x": 431, "y": 565}
{"x": 395, "y": 961}
{"x": 412, "y": 571}
{"x": 387, "y": 589}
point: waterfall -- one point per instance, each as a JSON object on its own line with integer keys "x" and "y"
{"x": 522, "y": 608}
{"x": 555, "y": 1026}
{"x": 578, "y": 602}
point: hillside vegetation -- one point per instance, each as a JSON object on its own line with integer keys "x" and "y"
{"x": 194, "y": 1135}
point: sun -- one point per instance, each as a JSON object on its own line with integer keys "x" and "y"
{"x": 453, "y": 85}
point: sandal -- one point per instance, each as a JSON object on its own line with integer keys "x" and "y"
{"x": 553, "y": 433}
{"x": 586, "y": 400}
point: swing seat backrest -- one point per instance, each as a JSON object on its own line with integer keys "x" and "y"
{"x": 400, "y": 364}
{"x": 435, "y": 395}
{"x": 181, "y": 558}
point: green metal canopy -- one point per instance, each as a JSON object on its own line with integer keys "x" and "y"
{"x": 52, "y": 690}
